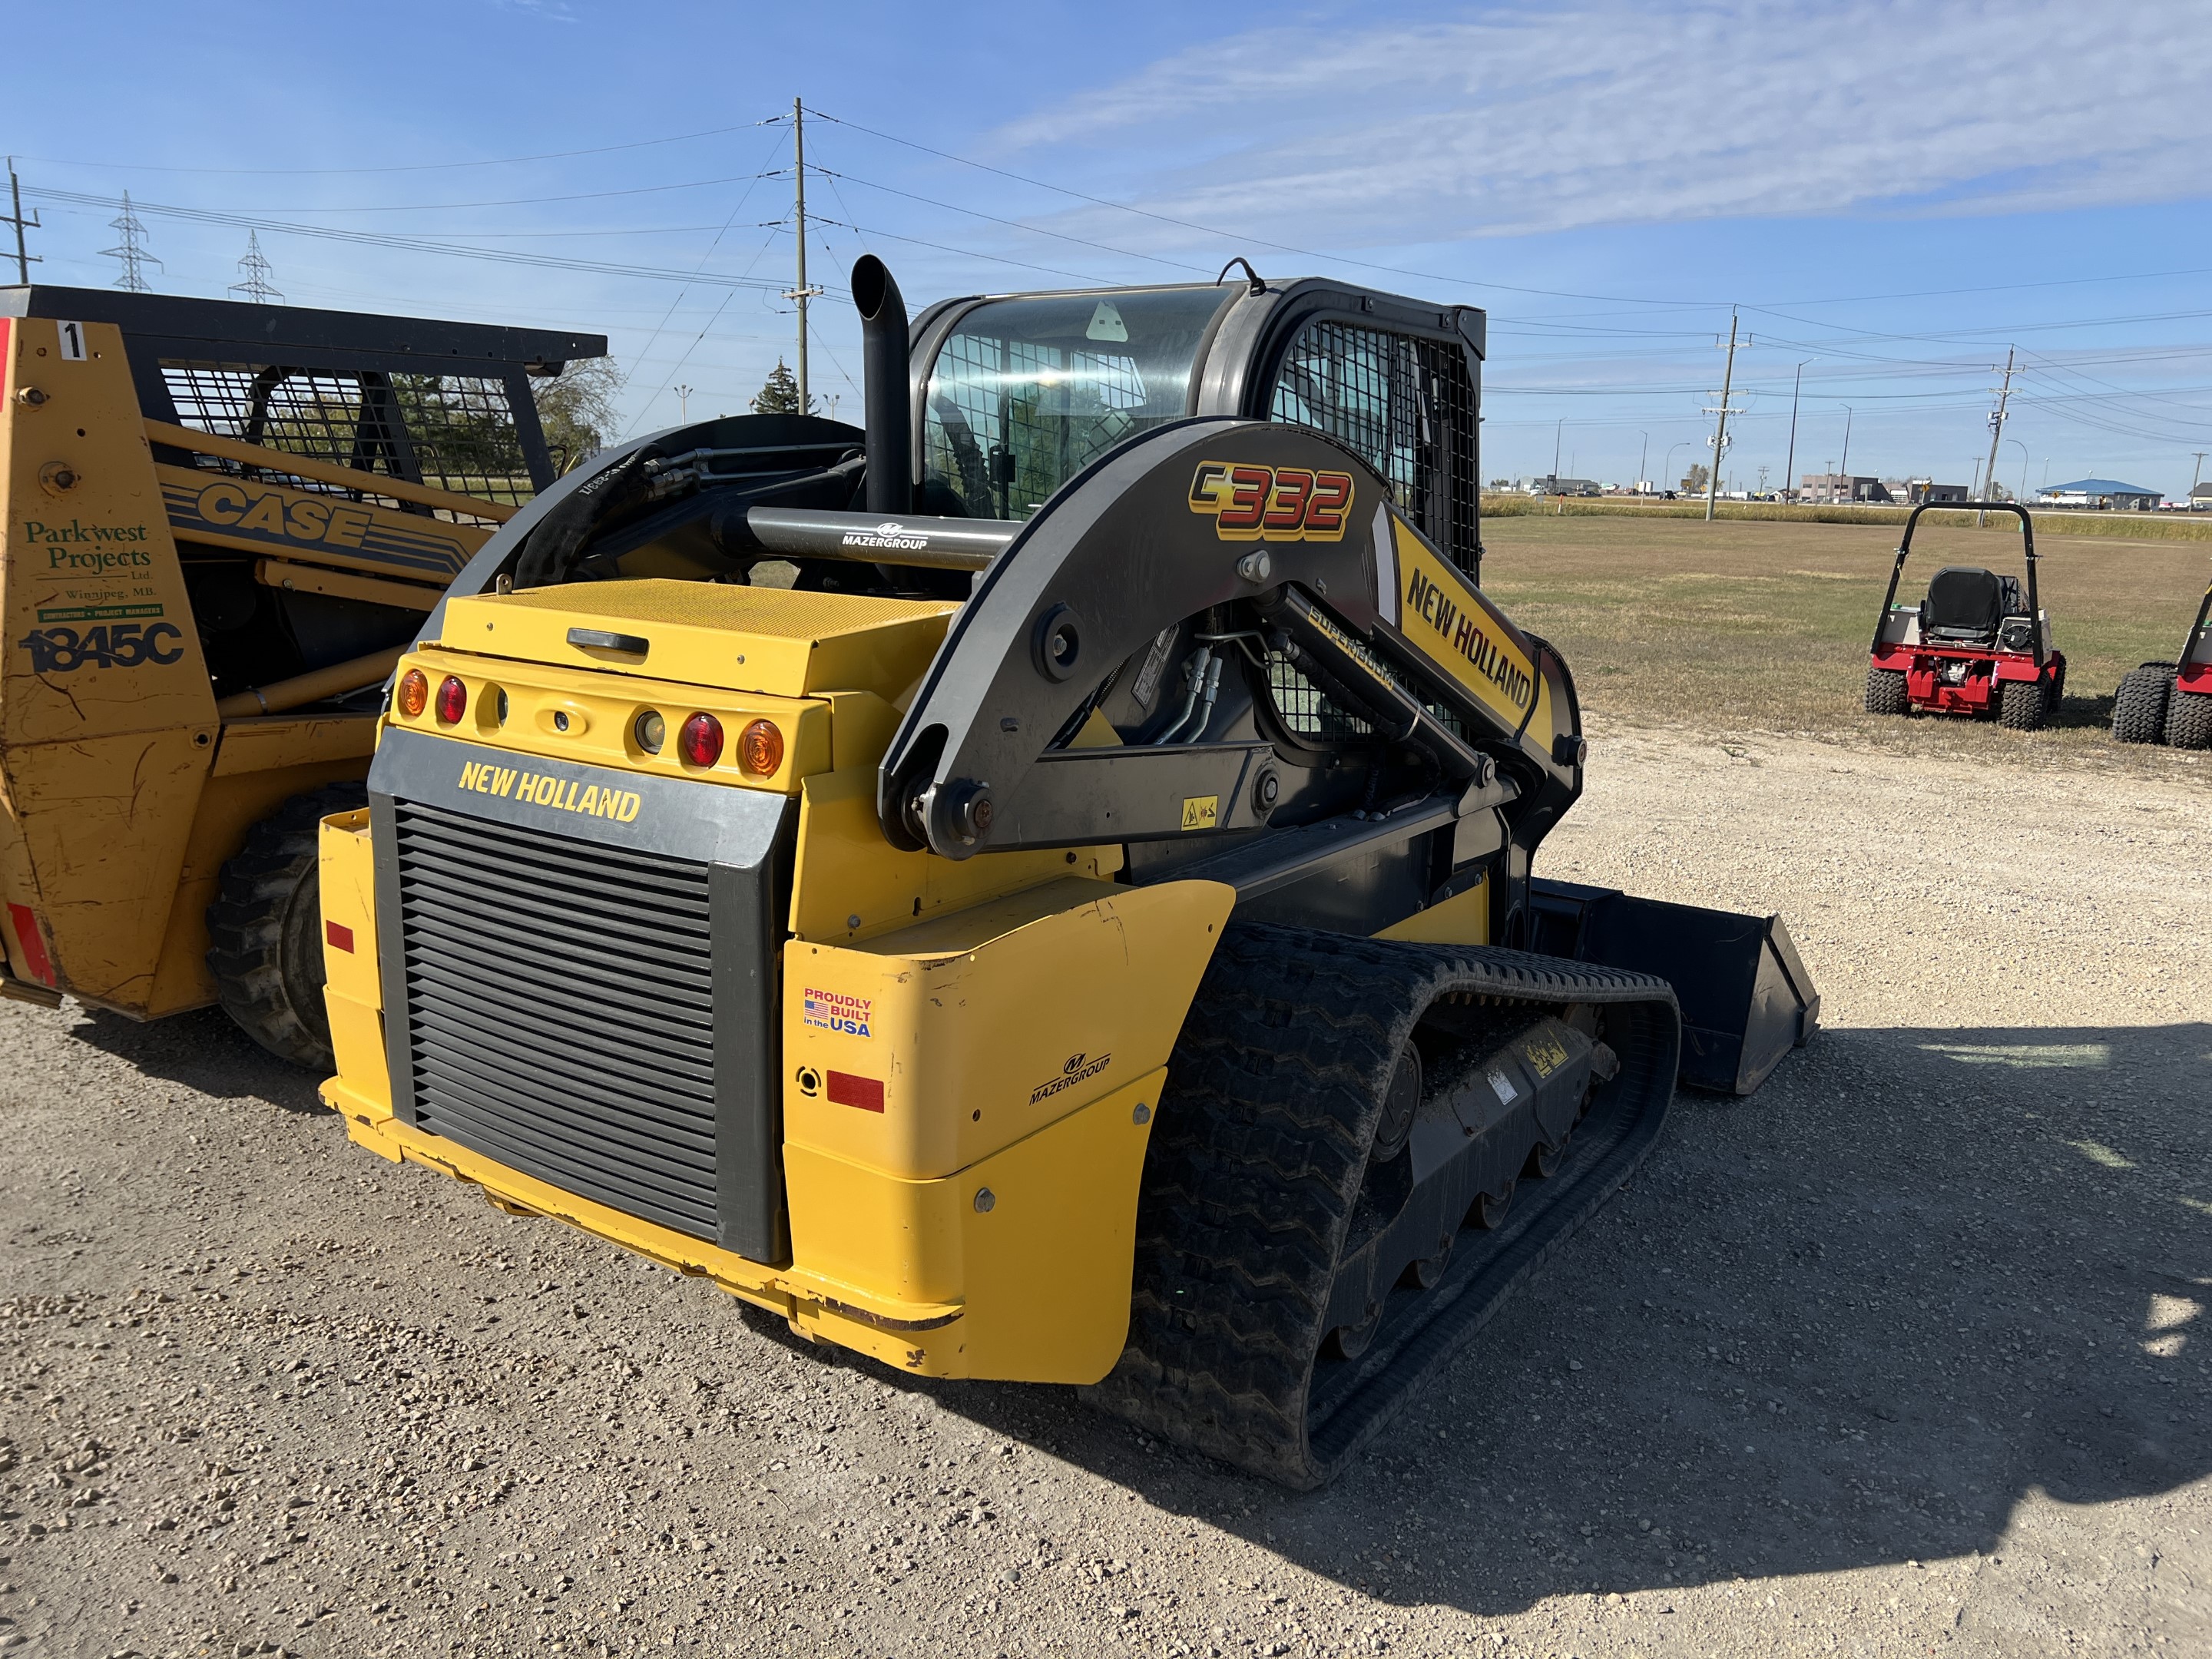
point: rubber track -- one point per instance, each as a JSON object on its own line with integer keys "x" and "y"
{"x": 1257, "y": 1159}
{"x": 266, "y": 958}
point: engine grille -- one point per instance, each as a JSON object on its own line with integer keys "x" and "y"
{"x": 560, "y": 1010}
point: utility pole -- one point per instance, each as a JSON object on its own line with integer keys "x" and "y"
{"x": 2195, "y": 472}
{"x": 1790, "y": 466}
{"x": 802, "y": 294}
{"x": 257, "y": 286}
{"x": 1646, "y": 456}
{"x": 24, "y": 258}
{"x": 1997, "y": 427}
{"x": 1850, "y": 415}
{"x": 1720, "y": 432}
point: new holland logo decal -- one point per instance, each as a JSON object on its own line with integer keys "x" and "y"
{"x": 542, "y": 789}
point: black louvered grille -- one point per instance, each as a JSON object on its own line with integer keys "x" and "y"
{"x": 560, "y": 1010}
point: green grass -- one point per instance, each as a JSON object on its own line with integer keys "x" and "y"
{"x": 1749, "y": 626}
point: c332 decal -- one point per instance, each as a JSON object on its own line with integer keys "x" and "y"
{"x": 1250, "y": 503}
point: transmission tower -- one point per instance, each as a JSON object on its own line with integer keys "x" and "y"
{"x": 134, "y": 257}
{"x": 257, "y": 286}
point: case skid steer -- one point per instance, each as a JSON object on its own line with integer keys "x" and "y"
{"x": 2171, "y": 702}
{"x": 1080, "y": 928}
{"x": 219, "y": 524}
{"x": 1978, "y": 644}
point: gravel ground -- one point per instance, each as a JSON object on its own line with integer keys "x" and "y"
{"x": 1905, "y": 1354}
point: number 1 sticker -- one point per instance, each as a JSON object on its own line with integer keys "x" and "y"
{"x": 72, "y": 341}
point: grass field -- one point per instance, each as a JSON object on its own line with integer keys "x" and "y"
{"x": 1751, "y": 626}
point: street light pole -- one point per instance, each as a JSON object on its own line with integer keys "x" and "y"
{"x": 2022, "y": 447}
{"x": 1645, "y": 456}
{"x": 1790, "y": 466}
{"x": 1848, "y": 413}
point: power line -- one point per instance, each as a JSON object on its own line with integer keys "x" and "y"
{"x": 24, "y": 258}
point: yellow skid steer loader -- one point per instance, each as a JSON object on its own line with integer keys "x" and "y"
{"x": 219, "y": 525}
{"x": 1038, "y": 887}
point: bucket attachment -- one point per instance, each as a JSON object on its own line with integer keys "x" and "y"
{"x": 1745, "y": 997}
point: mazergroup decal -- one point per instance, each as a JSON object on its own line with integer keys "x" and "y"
{"x": 890, "y": 534}
{"x": 1249, "y": 503}
{"x": 124, "y": 645}
{"x": 1080, "y": 1068}
{"x": 542, "y": 789}
{"x": 837, "y": 1011}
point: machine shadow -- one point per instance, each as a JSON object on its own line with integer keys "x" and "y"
{"x": 204, "y": 1050}
{"x": 1851, "y": 1321}
{"x": 2093, "y": 713}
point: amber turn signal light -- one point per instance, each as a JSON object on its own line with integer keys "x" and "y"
{"x": 760, "y": 749}
{"x": 414, "y": 692}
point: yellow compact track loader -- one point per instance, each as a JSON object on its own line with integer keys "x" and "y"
{"x": 1037, "y": 888}
{"x": 219, "y": 525}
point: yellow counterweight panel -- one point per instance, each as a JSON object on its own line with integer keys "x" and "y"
{"x": 352, "y": 989}
{"x": 921, "y": 1052}
{"x": 779, "y": 640}
{"x": 1016, "y": 1268}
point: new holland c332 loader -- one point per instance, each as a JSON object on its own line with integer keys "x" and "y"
{"x": 219, "y": 524}
{"x": 1037, "y": 888}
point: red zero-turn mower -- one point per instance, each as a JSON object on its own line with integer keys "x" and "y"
{"x": 1978, "y": 644}
{"x": 2171, "y": 702}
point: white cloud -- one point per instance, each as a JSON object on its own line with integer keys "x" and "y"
{"x": 1512, "y": 121}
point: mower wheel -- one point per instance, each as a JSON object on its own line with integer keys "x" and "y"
{"x": 1887, "y": 692}
{"x": 2023, "y": 705}
{"x": 2139, "y": 706}
{"x": 2189, "y": 720}
{"x": 265, "y": 930}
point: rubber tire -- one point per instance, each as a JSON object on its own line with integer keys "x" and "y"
{"x": 1887, "y": 692}
{"x": 2022, "y": 705}
{"x": 265, "y": 930}
{"x": 2189, "y": 720}
{"x": 2139, "y": 706}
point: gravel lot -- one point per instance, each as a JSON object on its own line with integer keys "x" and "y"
{"x": 1905, "y": 1354}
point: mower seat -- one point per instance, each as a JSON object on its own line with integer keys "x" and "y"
{"x": 1964, "y": 606}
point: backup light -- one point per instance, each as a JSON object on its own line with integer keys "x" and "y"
{"x": 652, "y": 732}
{"x": 760, "y": 749}
{"x": 414, "y": 692}
{"x": 452, "y": 699}
{"x": 700, "y": 742}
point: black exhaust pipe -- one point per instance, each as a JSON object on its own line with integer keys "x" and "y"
{"x": 890, "y": 413}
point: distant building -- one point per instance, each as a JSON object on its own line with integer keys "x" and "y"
{"x": 1548, "y": 485}
{"x": 1919, "y": 491}
{"x": 2200, "y": 499}
{"x": 1841, "y": 487}
{"x": 2102, "y": 495}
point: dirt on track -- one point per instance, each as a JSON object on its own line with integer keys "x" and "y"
{"x": 1906, "y": 1354}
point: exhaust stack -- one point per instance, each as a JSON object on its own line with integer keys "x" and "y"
{"x": 890, "y": 415}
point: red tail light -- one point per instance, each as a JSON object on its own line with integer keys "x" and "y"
{"x": 452, "y": 699}
{"x": 700, "y": 742}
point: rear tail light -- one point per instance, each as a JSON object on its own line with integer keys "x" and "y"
{"x": 760, "y": 749}
{"x": 414, "y": 692}
{"x": 700, "y": 742}
{"x": 452, "y": 699}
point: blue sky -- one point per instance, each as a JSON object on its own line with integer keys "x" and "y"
{"x": 1897, "y": 193}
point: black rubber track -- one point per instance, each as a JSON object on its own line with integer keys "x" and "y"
{"x": 2139, "y": 706}
{"x": 1274, "y": 1095}
{"x": 2189, "y": 720}
{"x": 1887, "y": 692}
{"x": 265, "y": 929}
